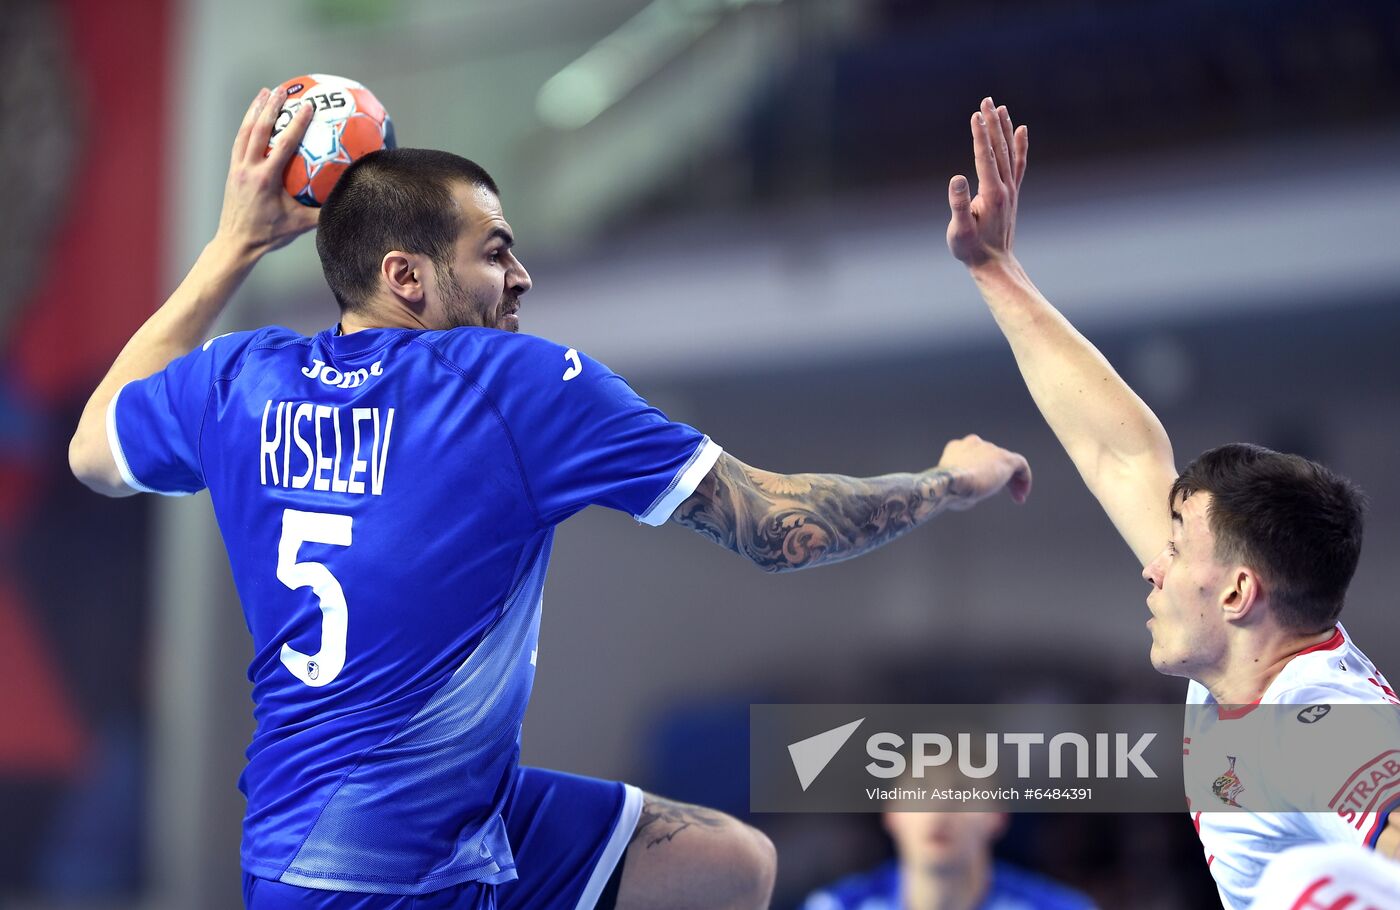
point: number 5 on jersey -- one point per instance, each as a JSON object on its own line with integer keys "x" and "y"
{"x": 298, "y": 528}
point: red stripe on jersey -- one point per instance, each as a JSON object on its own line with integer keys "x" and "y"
{"x": 1336, "y": 641}
{"x": 1237, "y": 711}
{"x": 1331, "y": 644}
{"x": 1372, "y": 833}
{"x": 1389, "y": 692}
{"x": 1306, "y": 900}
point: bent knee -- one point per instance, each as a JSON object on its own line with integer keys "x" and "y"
{"x": 752, "y": 866}
{"x": 765, "y": 865}
{"x": 688, "y": 857}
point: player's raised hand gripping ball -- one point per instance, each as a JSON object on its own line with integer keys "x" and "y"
{"x": 348, "y": 123}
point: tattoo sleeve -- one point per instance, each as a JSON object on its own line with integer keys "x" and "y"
{"x": 784, "y": 522}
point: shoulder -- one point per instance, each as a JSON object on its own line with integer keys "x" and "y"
{"x": 1334, "y": 672}
{"x": 225, "y": 354}
{"x": 874, "y": 889}
{"x": 526, "y": 373}
{"x": 476, "y": 351}
{"x": 1010, "y": 881}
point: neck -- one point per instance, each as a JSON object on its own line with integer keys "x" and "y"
{"x": 931, "y": 887}
{"x": 1251, "y": 669}
{"x": 379, "y": 318}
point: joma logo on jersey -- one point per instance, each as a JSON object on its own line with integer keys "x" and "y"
{"x": 342, "y": 380}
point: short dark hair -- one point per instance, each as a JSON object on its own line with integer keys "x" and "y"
{"x": 395, "y": 199}
{"x": 1292, "y": 520}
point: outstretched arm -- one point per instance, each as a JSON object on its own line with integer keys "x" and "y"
{"x": 783, "y": 522}
{"x": 258, "y": 217}
{"x": 1113, "y": 438}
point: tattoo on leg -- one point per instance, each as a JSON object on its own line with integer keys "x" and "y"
{"x": 662, "y": 819}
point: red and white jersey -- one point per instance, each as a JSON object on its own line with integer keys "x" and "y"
{"x": 1230, "y": 766}
{"x": 1329, "y": 877}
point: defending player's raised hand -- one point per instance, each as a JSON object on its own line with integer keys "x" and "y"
{"x": 258, "y": 214}
{"x": 981, "y": 469}
{"x": 982, "y": 227}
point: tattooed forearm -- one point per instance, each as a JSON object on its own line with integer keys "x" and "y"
{"x": 661, "y": 820}
{"x": 791, "y": 521}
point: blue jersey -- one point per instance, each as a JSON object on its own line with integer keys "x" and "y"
{"x": 1011, "y": 889}
{"x": 388, "y": 499}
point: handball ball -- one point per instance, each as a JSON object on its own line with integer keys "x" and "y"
{"x": 348, "y": 123}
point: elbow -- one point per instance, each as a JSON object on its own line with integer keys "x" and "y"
{"x": 771, "y": 563}
{"x": 77, "y": 462}
{"x": 767, "y": 563}
{"x": 93, "y": 468}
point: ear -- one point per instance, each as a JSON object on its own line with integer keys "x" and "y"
{"x": 1241, "y": 595}
{"x": 403, "y": 273}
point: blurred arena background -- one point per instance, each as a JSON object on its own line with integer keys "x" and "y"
{"x": 739, "y": 205}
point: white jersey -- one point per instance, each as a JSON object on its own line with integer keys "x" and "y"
{"x": 1330, "y": 877}
{"x": 1227, "y": 764}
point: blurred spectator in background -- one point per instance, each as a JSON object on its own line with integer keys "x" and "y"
{"x": 944, "y": 862}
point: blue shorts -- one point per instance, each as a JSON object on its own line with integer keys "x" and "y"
{"x": 568, "y": 834}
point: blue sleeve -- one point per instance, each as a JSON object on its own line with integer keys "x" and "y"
{"x": 154, "y": 424}
{"x": 585, "y": 438}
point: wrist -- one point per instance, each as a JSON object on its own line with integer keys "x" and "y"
{"x": 997, "y": 269}
{"x": 950, "y": 482}
{"x": 227, "y": 253}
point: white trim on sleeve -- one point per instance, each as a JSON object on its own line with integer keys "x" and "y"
{"x": 687, "y": 479}
{"x": 119, "y": 456}
{"x": 612, "y": 853}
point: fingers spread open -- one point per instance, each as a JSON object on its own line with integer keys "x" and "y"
{"x": 240, "y": 141}
{"x": 262, "y": 125}
{"x": 1000, "y": 151}
{"x": 288, "y": 140}
{"x": 959, "y": 196}
{"x": 1008, "y": 133}
{"x": 1023, "y": 145}
{"x": 988, "y": 183}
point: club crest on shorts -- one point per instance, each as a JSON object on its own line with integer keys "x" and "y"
{"x": 1228, "y": 786}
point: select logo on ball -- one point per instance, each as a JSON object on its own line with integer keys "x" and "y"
{"x": 347, "y": 123}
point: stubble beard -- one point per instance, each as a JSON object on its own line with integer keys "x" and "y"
{"x": 461, "y": 309}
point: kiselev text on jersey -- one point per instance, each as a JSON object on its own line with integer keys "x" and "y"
{"x": 322, "y": 459}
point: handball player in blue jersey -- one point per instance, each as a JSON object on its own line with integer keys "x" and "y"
{"x": 387, "y": 491}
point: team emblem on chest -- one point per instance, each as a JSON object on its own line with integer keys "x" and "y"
{"x": 1228, "y": 786}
